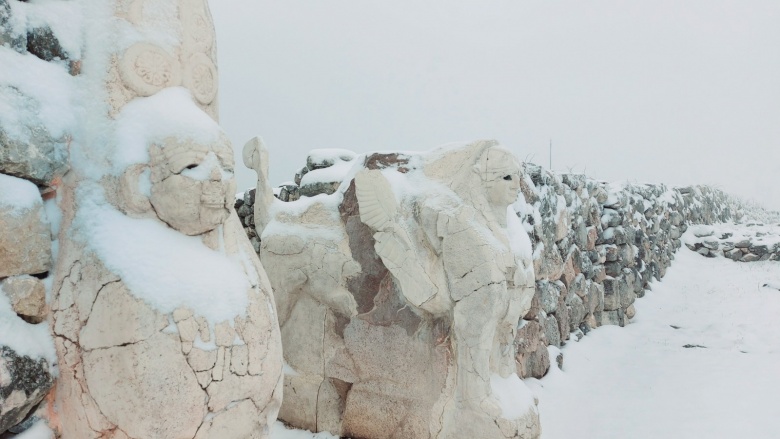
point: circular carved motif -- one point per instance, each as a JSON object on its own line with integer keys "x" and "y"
{"x": 197, "y": 26}
{"x": 201, "y": 78}
{"x": 202, "y": 34}
{"x": 147, "y": 69}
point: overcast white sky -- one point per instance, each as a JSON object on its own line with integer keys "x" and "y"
{"x": 666, "y": 91}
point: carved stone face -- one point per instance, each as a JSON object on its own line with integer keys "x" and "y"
{"x": 192, "y": 184}
{"x": 501, "y": 175}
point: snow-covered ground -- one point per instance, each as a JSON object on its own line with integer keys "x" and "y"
{"x": 700, "y": 359}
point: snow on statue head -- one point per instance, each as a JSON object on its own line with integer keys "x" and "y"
{"x": 164, "y": 319}
{"x": 190, "y": 184}
{"x": 446, "y": 275}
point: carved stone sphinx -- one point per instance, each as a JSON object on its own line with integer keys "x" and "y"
{"x": 164, "y": 320}
{"x": 445, "y": 278}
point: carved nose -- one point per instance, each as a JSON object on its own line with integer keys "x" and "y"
{"x": 215, "y": 174}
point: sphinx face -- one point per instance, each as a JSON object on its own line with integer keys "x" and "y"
{"x": 501, "y": 178}
{"x": 192, "y": 184}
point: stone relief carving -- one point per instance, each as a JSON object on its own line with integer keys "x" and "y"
{"x": 147, "y": 69}
{"x": 198, "y": 27}
{"x": 200, "y": 77}
{"x": 157, "y": 373}
{"x": 187, "y": 346}
{"x": 489, "y": 288}
{"x": 438, "y": 298}
{"x": 308, "y": 257}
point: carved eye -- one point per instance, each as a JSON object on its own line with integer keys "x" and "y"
{"x": 193, "y": 166}
{"x": 508, "y": 177}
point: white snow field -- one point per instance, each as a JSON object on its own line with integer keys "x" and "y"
{"x": 642, "y": 381}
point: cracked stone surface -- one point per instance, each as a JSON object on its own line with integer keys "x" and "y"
{"x": 130, "y": 366}
{"x": 406, "y": 346}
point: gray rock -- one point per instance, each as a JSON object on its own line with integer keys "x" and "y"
{"x": 613, "y": 268}
{"x": 577, "y": 313}
{"x": 42, "y": 43}
{"x": 750, "y": 257}
{"x": 312, "y": 189}
{"x": 611, "y": 253}
{"x": 733, "y": 254}
{"x": 616, "y": 317}
{"x": 289, "y": 193}
{"x": 548, "y": 294}
{"x": 551, "y": 331}
{"x": 23, "y": 384}
{"x": 611, "y": 294}
{"x": 38, "y": 157}
{"x": 710, "y": 244}
{"x": 759, "y": 250}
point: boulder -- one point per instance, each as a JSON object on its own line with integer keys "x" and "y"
{"x": 24, "y": 381}
{"x": 25, "y": 240}
{"x": 37, "y": 156}
{"x": 27, "y": 295}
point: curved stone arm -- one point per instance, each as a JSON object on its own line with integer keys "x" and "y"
{"x": 255, "y": 155}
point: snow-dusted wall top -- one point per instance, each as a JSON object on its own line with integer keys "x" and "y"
{"x": 596, "y": 246}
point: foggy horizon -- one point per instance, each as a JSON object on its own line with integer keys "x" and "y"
{"x": 646, "y": 92}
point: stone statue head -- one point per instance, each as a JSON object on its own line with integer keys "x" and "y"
{"x": 186, "y": 184}
{"x": 492, "y": 183}
{"x": 500, "y": 174}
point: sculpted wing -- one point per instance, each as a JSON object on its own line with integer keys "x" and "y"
{"x": 376, "y": 200}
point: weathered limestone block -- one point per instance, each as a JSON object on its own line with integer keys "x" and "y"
{"x": 27, "y": 295}
{"x": 164, "y": 319}
{"x": 407, "y": 346}
{"x": 25, "y": 239}
{"x": 24, "y": 382}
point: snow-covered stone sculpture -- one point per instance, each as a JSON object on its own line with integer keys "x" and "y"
{"x": 307, "y": 253}
{"x": 164, "y": 320}
{"x": 446, "y": 275}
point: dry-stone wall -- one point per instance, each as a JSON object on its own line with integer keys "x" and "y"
{"x": 597, "y": 246}
{"x": 32, "y": 159}
{"x": 750, "y": 242}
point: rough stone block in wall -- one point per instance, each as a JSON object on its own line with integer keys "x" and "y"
{"x": 25, "y": 240}
{"x": 36, "y": 156}
{"x": 24, "y": 382}
{"x": 27, "y": 295}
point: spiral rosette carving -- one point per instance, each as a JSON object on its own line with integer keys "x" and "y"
{"x": 147, "y": 69}
{"x": 201, "y": 78}
{"x": 198, "y": 28}
{"x": 135, "y": 12}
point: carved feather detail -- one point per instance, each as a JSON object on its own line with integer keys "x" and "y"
{"x": 376, "y": 200}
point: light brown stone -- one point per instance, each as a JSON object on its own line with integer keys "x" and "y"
{"x": 27, "y": 295}
{"x": 25, "y": 241}
{"x": 147, "y": 388}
